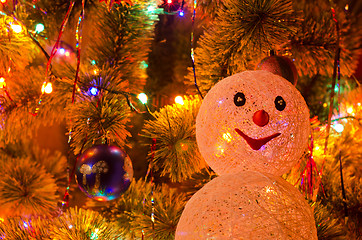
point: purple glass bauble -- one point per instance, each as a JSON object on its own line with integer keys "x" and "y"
{"x": 104, "y": 172}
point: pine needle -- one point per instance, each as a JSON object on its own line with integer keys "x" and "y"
{"x": 132, "y": 211}
{"x": 20, "y": 228}
{"x": 123, "y": 210}
{"x": 94, "y": 118}
{"x": 177, "y": 155}
{"x": 26, "y": 188}
{"x": 11, "y": 46}
{"x": 168, "y": 207}
{"x": 81, "y": 224}
{"x": 328, "y": 227}
{"x": 240, "y": 34}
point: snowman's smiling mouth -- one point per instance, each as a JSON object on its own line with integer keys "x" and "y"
{"x": 256, "y": 144}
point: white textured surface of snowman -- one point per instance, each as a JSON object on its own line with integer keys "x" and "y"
{"x": 251, "y": 128}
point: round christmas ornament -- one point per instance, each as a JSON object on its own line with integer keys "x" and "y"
{"x": 281, "y": 66}
{"x": 247, "y": 205}
{"x": 104, "y": 172}
{"x": 253, "y": 120}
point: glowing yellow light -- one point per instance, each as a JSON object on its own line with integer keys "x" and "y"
{"x": 219, "y": 151}
{"x": 359, "y": 104}
{"x": 3, "y": 1}
{"x": 325, "y": 105}
{"x": 94, "y": 234}
{"x": 350, "y": 110}
{"x": 143, "y": 98}
{"x": 346, "y": 7}
{"x": 95, "y": 71}
{"x": 47, "y": 88}
{"x": 67, "y": 54}
{"x": 338, "y": 127}
{"x": 16, "y": 28}
{"x": 184, "y": 147}
{"x": 179, "y": 100}
{"x": 39, "y": 28}
{"x": 100, "y": 199}
{"x": 1, "y": 219}
{"x": 227, "y": 137}
{"x": 2, "y": 82}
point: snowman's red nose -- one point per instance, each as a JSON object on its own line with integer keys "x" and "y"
{"x": 261, "y": 118}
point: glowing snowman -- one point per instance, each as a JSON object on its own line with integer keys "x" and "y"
{"x": 251, "y": 128}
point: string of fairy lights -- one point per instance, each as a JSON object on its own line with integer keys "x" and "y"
{"x": 47, "y": 87}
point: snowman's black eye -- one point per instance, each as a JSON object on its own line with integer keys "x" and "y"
{"x": 239, "y": 99}
{"x": 279, "y": 103}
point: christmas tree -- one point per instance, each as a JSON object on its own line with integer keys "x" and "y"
{"x": 73, "y": 76}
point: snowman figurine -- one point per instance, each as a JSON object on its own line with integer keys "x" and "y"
{"x": 251, "y": 128}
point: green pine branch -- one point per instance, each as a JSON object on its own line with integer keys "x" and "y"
{"x": 240, "y": 35}
{"x": 81, "y": 224}
{"x": 313, "y": 47}
{"x": 24, "y": 228}
{"x": 26, "y": 188}
{"x": 328, "y": 227}
{"x": 12, "y": 53}
{"x": 74, "y": 224}
{"x": 176, "y": 155}
{"x": 132, "y": 211}
{"x": 93, "y": 119}
{"x": 121, "y": 39}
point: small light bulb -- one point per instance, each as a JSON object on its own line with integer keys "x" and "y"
{"x": 16, "y": 28}
{"x": 169, "y": 1}
{"x": 336, "y": 88}
{"x": 181, "y": 13}
{"x": 227, "y": 137}
{"x": 350, "y": 110}
{"x": 39, "y": 28}
{"x": 2, "y": 82}
{"x": 143, "y": 65}
{"x": 93, "y": 62}
{"x": 62, "y": 51}
{"x": 67, "y": 54}
{"x": 93, "y": 91}
{"x": 3, "y": 1}
{"x": 47, "y": 88}
{"x": 151, "y": 9}
{"x": 25, "y": 224}
{"x": 143, "y": 98}
{"x": 179, "y": 100}
{"x": 338, "y": 127}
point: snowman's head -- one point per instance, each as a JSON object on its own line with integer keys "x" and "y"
{"x": 253, "y": 120}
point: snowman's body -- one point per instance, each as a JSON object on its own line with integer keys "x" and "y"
{"x": 251, "y": 128}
